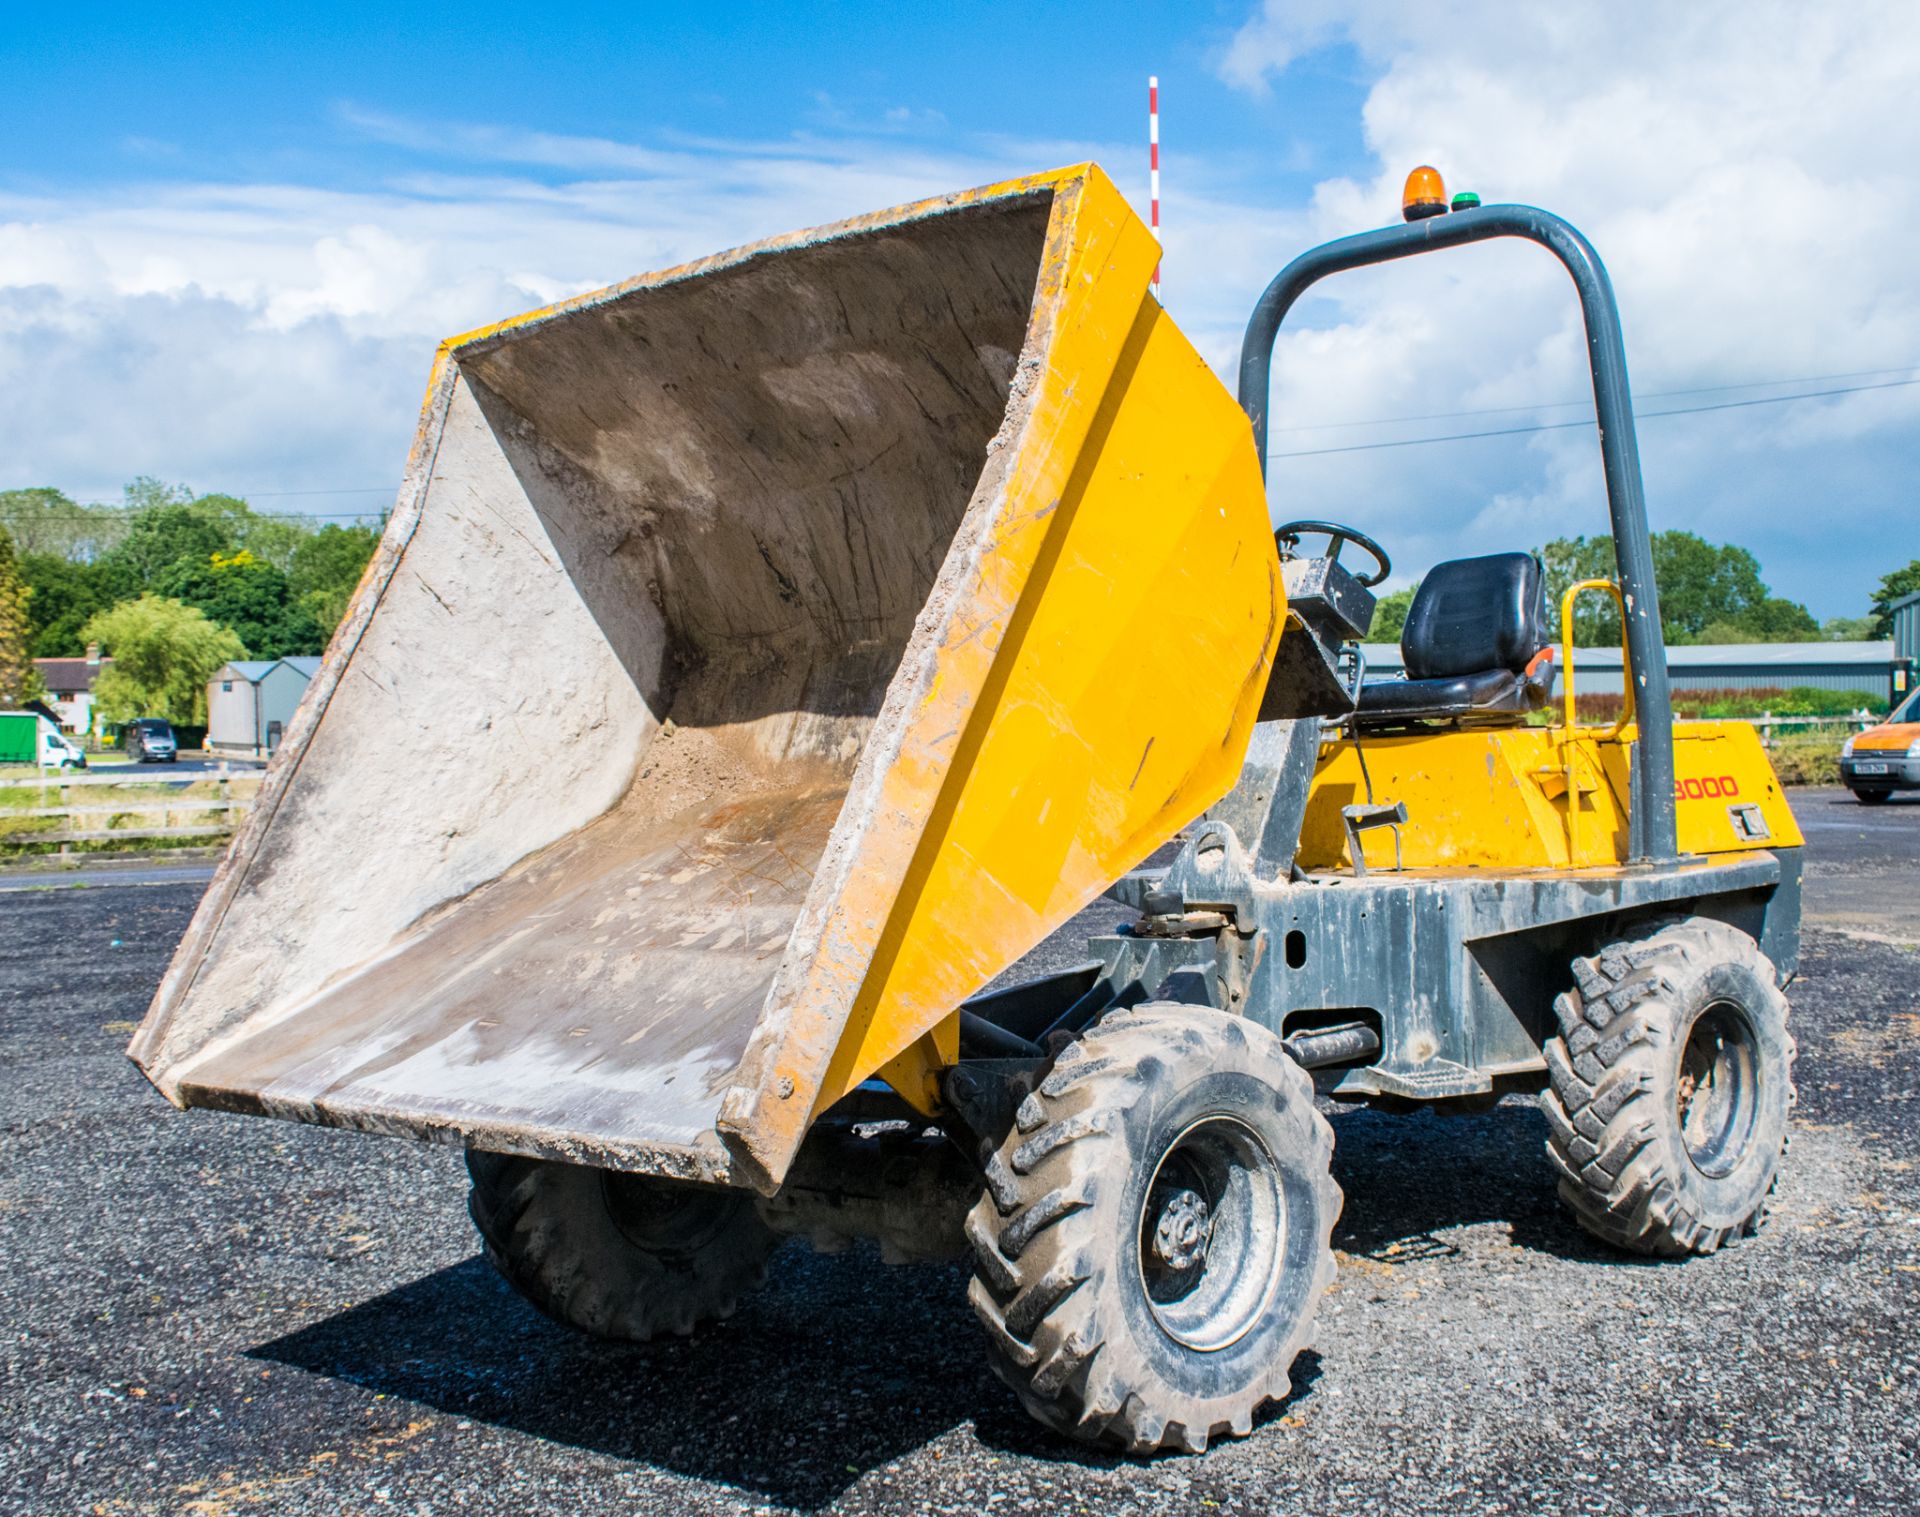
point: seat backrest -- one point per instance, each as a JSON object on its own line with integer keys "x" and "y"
{"x": 1474, "y": 614}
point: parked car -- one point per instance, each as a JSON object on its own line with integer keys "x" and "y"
{"x": 150, "y": 740}
{"x": 1883, "y": 759}
{"x": 26, "y": 737}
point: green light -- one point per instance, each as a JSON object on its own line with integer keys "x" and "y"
{"x": 1466, "y": 200}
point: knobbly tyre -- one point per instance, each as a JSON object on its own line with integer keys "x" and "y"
{"x": 867, "y": 602}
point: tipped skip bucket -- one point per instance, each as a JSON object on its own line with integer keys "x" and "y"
{"x": 762, "y": 656}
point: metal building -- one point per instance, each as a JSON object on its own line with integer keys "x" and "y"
{"x": 1906, "y": 625}
{"x": 1872, "y": 668}
{"x": 251, "y": 701}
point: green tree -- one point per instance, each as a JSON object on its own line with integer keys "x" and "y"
{"x": 65, "y": 595}
{"x": 1703, "y": 586}
{"x": 272, "y": 539}
{"x": 1774, "y": 619}
{"x": 145, "y": 493}
{"x": 160, "y": 536}
{"x": 45, "y": 521}
{"x": 251, "y": 597}
{"x": 1846, "y": 629}
{"x": 163, "y": 655}
{"x": 326, "y": 569}
{"x": 16, "y": 655}
{"x": 1390, "y": 615}
{"x": 170, "y": 522}
{"x": 1566, "y": 561}
{"x": 1897, "y": 583}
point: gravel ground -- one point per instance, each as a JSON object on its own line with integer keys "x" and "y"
{"x": 212, "y": 1315}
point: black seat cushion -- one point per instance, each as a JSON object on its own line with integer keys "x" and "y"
{"x": 1470, "y": 645}
{"x": 1491, "y": 697}
{"x": 1472, "y": 614}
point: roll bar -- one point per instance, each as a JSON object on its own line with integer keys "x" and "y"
{"x": 1650, "y": 817}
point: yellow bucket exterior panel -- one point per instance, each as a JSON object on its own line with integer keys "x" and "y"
{"x": 1123, "y": 706}
{"x": 1093, "y": 686}
{"x": 1535, "y": 798}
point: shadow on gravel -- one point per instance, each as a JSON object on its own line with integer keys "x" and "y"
{"x": 838, "y": 1366}
{"x": 842, "y": 1364}
{"x": 1409, "y": 1179}
{"x": 794, "y": 1399}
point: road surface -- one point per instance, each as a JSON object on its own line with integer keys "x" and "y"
{"x": 221, "y": 1315}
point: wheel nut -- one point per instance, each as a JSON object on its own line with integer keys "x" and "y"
{"x": 1180, "y": 1237}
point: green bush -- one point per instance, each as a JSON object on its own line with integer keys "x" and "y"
{"x": 1801, "y": 700}
{"x": 1807, "y": 760}
{"x": 1725, "y": 705}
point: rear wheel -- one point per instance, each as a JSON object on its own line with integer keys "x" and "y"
{"x": 1670, "y": 1086}
{"x": 617, "y": 1255}
{"x": 1155, "y": 1234}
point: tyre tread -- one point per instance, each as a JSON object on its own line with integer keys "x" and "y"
{"x": 1604, "y": 1084}
{"x": 1031, "y": 1276}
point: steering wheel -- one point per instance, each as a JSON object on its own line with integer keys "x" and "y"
{"x": 1288, "y": 537}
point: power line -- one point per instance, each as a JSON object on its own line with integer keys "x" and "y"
{"x": 52, "y": 513}
{"x": 244, "y": 496}
{"x": 1548, "y": 405}
{"x": 1368, "y": 447}
{"x": 388, "y": 489}
{"x": 1587, "y": 421}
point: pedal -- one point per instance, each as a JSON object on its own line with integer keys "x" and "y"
{"x": 1435, "y": 1080}
{"x": 1359, "y": 819}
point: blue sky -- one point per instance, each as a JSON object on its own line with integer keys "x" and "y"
{"x": 229, "y": 240}
{"x": 105, "y": 94}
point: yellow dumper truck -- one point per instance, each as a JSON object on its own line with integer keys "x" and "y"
{"x": 766, "y": 654}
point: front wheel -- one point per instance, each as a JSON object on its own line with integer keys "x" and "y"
{"x": 617, "y": 1255}
{"x": 1154, "y": 1237}
{"x": 1669, "y": 1088}
{"x": 1871, "y": 797}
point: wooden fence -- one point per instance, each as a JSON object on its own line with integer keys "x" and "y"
{"x": 223, "y": 812}
{"x": 87, "y": 817}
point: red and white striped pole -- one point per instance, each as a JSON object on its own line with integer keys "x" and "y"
{"x": 1153, "y": 164}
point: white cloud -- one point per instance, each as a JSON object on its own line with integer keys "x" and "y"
{"x": 274, "y": 337}
{"x": 1746, "y": 171}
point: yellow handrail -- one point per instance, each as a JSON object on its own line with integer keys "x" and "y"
{"x": 1567, "y": 729}
{"x": 1566, "y": 648}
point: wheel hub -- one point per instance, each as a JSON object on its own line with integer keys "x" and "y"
{"x": 1212, "y": 1234}
{"x": 664, "y": 1219}
{"x": 1717, "y": 1094}
{"x": 1181, "y": 1235}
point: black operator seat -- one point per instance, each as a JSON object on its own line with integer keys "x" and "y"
{"x": 1475, "y": 645}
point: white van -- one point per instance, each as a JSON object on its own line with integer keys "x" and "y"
{"x": 48, "y": 746}
{"x": 57, "y": 750}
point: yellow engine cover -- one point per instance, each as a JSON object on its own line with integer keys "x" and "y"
{"x": 1541, "y": 797}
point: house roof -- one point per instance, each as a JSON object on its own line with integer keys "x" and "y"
{"x": 253, "y": 670}
{"x": 69, "y": 673}
{"x": 1681, "y": 655}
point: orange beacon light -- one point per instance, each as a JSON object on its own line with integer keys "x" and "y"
{"x": 1425, "y": 194}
